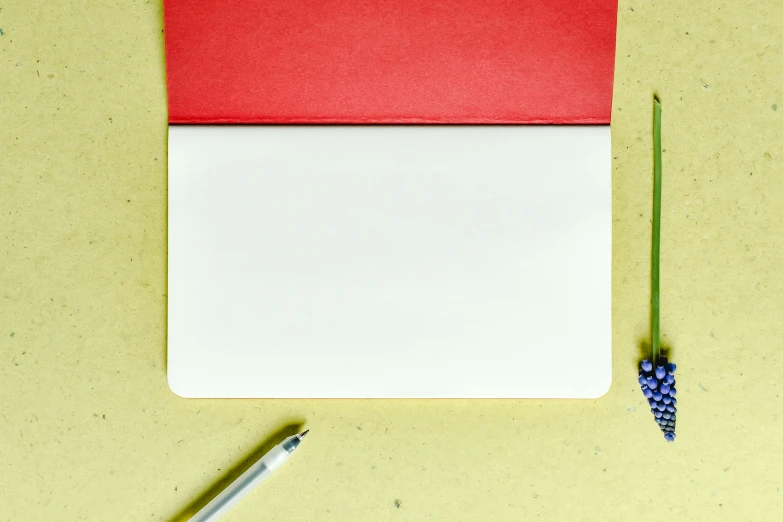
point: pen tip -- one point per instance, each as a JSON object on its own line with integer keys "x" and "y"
{"x": 302, "y": 435}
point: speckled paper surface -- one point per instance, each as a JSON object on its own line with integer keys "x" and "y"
{"x": 90, "y": 431}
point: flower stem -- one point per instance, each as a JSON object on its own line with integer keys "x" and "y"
{"x": 656, "y": 234}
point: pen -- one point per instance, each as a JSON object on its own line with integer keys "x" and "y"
{"x": 248, "y": 480}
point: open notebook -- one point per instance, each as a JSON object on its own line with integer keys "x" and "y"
{"x": 384, "y": 259}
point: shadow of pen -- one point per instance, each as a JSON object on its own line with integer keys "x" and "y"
{"x": 234, "y": 473}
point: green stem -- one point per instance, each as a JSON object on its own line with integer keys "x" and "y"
{"x": 656, "y": 237}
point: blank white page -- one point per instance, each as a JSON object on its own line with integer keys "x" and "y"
{"x": 389, "y": 261}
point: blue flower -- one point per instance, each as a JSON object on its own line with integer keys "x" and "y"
{"x": 657, "y": 385}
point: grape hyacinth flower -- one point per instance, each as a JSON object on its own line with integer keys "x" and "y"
{"x": 662, "y": 403}
{"x": 656, "y": 375}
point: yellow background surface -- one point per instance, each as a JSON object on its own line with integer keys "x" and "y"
{"x": 90, "y": 431}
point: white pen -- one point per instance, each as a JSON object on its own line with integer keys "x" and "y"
{"x": 248, "y": 480}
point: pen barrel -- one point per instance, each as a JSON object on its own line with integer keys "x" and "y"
{"x": 275, "y": 458}
{"x": 237, "y": 490}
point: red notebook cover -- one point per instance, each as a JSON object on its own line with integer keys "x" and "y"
{"x": 390, "y": 61}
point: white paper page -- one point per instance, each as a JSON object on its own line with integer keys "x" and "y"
{"x": 389, "y": 261}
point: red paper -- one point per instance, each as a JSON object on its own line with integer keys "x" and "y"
{"x": 387, "y": 61}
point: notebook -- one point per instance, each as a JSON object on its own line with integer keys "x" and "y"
{"x": 341, "y": 227}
